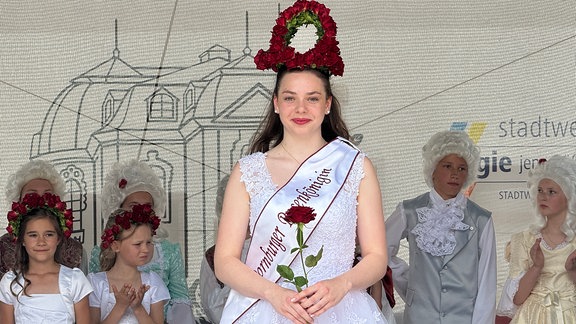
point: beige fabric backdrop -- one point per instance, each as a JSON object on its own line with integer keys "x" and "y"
{"x": 76, "y": 92}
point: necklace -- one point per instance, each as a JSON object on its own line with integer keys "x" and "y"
{"x": 549, "y": 239}
{"x": 285, "y": 150}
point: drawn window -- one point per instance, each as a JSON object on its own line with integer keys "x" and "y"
{"x": 189, "y": 98}
{"x": 108, "y": 110}
{"x": 76, "y": 197}
{"x": 162, "y": 107}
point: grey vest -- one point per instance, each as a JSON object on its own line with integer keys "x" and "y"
{"x": 443, "y": 289}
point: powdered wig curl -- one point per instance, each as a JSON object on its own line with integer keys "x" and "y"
{"x": 445, "y": 143}
{"x": 36, "y": 169}
{"x": 126, "y": 178}
{"x": 561, "y": 170}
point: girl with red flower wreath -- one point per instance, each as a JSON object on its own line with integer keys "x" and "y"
{"x": 40, "y": 177}
{"x": 122, "y": 293}
{"x": 301, "y": 156}
{"x": 132, "y": 182}
{"x": 39, "y": 288}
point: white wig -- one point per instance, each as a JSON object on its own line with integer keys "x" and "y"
{"x": 35, "y": 169}
{"x": 135, "y": 176}
{"x": 445, "y": 143}
{"x": 562, "y": 170}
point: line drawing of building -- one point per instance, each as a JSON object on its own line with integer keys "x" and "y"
{"x": 190, "y": 124}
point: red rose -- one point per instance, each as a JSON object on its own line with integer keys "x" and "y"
{"x": 12, "y": 215}
{"x": 9, "y": 229}
{"x": 300, "y": 214}
{"x": 60, "y": 205}
{"x": 122, "y": 184}
{"x": 542, "y": 160}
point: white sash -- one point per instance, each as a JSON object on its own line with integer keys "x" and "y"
{"x": 315, "y": 184}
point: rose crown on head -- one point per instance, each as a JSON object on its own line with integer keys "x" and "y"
{"x": 124, "y": 219}
{"x": 324, "y": 56}
{"x": 47, "y": 201}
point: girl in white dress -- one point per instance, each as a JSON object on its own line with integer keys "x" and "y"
{"x": 39, "y": 289}
{"x": 122, "y": 293}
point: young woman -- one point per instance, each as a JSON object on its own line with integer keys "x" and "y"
{"x": 302, "y": 169}
{"x": 39, "y": 288}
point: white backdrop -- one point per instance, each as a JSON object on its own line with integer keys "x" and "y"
{"x": 75, "y": 91}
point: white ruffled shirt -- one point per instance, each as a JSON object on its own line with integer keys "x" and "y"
{"x": 436, "y": 225}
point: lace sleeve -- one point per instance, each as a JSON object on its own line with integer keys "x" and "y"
{"x": 352, "y": 184}
{"x": 519, "y": 263}
{"x": 506, "y": 305}
{"x": 254, "y": 173}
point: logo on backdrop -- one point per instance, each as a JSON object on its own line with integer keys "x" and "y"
{"x": 508, "y": 165}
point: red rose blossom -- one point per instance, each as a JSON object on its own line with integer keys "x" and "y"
{"x": 122, "y": 184}
{"x": 300, "y": 214}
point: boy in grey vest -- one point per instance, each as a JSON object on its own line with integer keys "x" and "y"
{"x": 451, "y": 275}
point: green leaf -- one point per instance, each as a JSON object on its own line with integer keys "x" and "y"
{"x": 300, "y": 281}
{"x": 319, "y": 254}
{"x": 285, "y": 272}
{"x": 294, "y": 250}
{"x": 312, "y": 260}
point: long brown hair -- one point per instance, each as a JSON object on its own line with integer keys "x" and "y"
{"x": 22, "y": 264}
{"x": 271, "y": 131}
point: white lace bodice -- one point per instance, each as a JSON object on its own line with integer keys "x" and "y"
{"x": 337, "y": 230}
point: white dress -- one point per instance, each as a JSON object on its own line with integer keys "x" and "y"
{"x": 336, "y": 232}
{"x": 103, "y": 297}
{"x": 47, "y": 308}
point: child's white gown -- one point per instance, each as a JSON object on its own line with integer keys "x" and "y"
{"x": 47, "y": 308}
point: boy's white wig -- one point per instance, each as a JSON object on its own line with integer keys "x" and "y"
{"x": 35, "y": 169}
{"x": 445, "y": 143}
{"x": 138, "y": 176}
{"x": 562, "y": 170}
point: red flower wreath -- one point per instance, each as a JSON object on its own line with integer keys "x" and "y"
{"x": 48, "y": 201}
{"x": 324, "y": 56}
{"x": 123, "y": 220}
